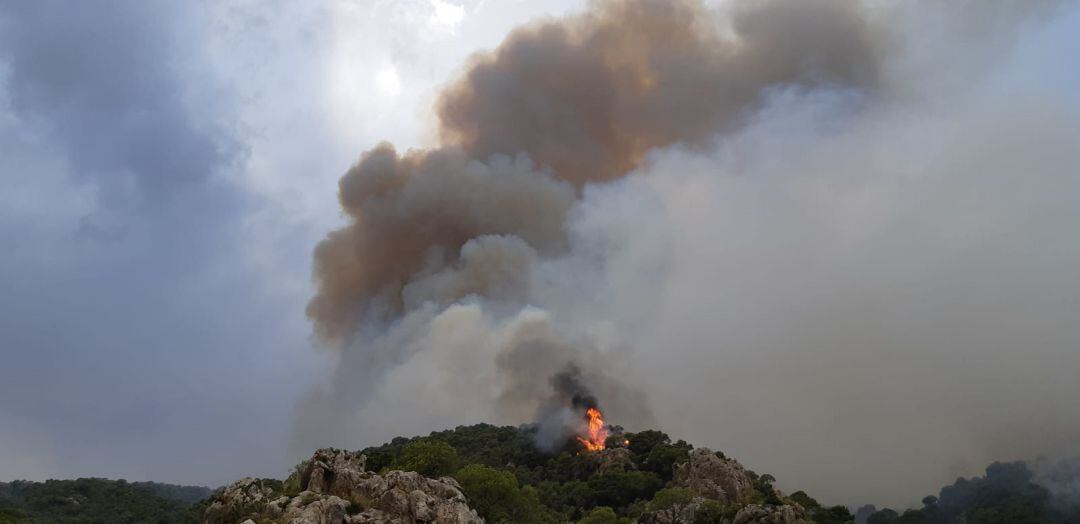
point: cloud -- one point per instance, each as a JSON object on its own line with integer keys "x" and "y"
{"x": 97, "y": 81}
{"x": 129, "y": 300}
{"x": 166, "y": 171}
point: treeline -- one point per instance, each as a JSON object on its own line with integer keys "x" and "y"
{"x": 507, "y": 478}
{"x": 99, "y": 501}
{"x": 1007, "y": 494}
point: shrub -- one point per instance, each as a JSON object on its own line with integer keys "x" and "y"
{"x": 428, "y": 458}
{"x": 497, "y": 497}
{"x": 620, "y": 488}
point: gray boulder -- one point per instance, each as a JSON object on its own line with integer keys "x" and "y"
{"x": 710, "y": 476}
{"x": 760, "y": 514}
{"x": 338, "y": 490}
{"x": 614, "y": 459}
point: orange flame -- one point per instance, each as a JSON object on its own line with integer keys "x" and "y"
{"x": 598, "y": 432}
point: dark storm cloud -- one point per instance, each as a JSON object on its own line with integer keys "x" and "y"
{"x": 103, "y": 79}
{"x": 127, "y": 309}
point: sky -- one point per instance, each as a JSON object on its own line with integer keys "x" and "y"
{"x": 168, "y": 168}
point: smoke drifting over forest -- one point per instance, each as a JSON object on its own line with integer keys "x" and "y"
{"x": 765, "y": 227}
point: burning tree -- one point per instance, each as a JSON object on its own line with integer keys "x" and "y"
{"x": 596, "y": 432}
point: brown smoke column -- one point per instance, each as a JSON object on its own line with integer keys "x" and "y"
{"x": 585, "y": 98}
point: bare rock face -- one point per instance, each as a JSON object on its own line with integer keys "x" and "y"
{"x": 307, "y": 508}
{"x": 332, "y": 471}
{"x": 759, "y": 514}
{"x": 710, "y": 476}
{"x": 337, "y": 490}
{"x": 614, "y": 459}
{"x": 412, "y": 495}
{"x": 686, "y": 513}
{"x": 241, "y": 498}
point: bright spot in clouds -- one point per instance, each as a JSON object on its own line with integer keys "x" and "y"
{"x": 446, "y": 15}
{"x": 388, "y": 80}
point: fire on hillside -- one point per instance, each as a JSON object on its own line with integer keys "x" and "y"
{"x": 597, "y": 431}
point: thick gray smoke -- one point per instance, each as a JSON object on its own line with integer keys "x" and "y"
{"x": 838, "y": 249}
{"x": 561, "y": 415}
{"x": 559, "y": 104}
{"x": 1062, "y": 477}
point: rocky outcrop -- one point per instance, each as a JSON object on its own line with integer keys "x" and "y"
{"x": 614, "y": 459}
{"x": 244, "y": 497}
{"x": 332, "y": 471}
{"x": 712, "y": 476}
{"x": 307, "y": 509}
{"x": 337, "y": 490}
{"x": 413, "y": 497}
{"x": 682, "y": 513}
{"x": 759, "y": 514}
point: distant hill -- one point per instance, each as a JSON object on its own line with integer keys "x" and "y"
{"x": 93, "y": 500}
{"x": 1007, "y": 494}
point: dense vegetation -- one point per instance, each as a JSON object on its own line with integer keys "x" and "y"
{"x": 509, "y": 479}
{"x": 90, "y": 501}
{"x": 1006, "y": 495}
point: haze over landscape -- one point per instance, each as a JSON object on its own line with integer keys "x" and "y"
{"x": 834, "y": 239}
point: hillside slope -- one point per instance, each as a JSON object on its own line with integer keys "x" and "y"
{"x": 93, "y": 500}
{"x": 500, "y": 475}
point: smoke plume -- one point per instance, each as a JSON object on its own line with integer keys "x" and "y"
{"x": 822, "y": 243}
{"x": 557, "y": 105}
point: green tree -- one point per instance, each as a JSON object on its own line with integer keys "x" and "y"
{"x": 885, "y": 516}
{"x": 662, "y": 458}
{"x": 571, "y": 499}
{"x": 668, "y": 498}
{"x": 566, "y": 467}
{"x": 615, "y": 441}
{"x": 801, "y": 498}
{"x": 764, "y": 486}
{"x": 620, "y": 488}
{"x": 603, "y": 515}
{"x": 498, "y": 498}
{"x": 669, "y": 505}
{"x": 832, "y": 515}
{"x": 430, "y": 458}
{"x": 643, "y": 442}
{"x": 381, "y": 457}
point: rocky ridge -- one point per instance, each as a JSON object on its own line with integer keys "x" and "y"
{"x": 333, "y": 487}
{"x": 720, "y": 485}
{"x": 715, "y": 477}
{"x": 336, "y": 487}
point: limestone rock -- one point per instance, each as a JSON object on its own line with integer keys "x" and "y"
{"x": 614, "y": 459}
{"x": 308, "y": 508}
{"x": 710, "y": 476}
{"x": 338, "y": 490}
{"x": 686, "y": 513}
{"x": 759, "y": 514}
{"x": 243, "y": 497}
{"x": 332, "y": 471}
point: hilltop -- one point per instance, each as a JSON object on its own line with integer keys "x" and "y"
{"x": 498, "y": 474}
